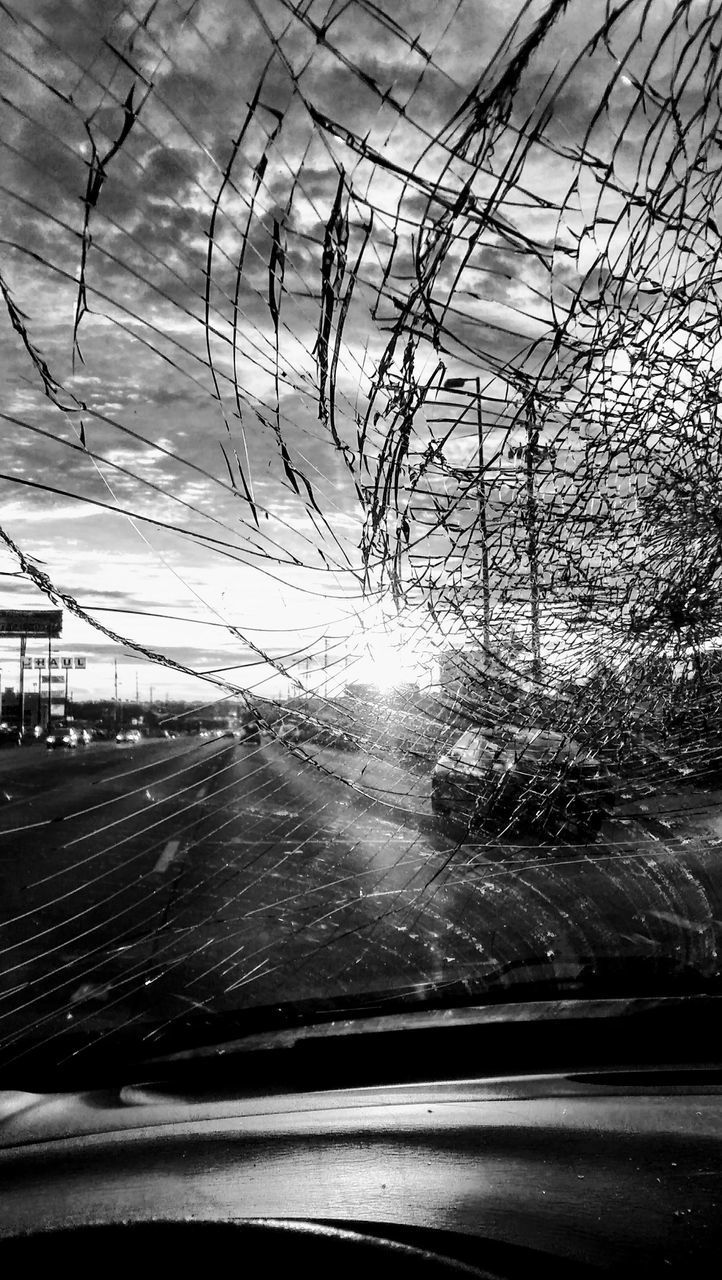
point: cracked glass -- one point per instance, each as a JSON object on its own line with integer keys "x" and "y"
{"x": 360, "y": 534}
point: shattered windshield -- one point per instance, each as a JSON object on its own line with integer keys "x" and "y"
{"x": 360, "y": 535}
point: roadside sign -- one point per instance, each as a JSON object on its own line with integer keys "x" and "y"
{"x": 57, "y": 708}
{"x": 55, "y": 664}
{"x": 31, "y": 622}
{"x": 52, "y": 679}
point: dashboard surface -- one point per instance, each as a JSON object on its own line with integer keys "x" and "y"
{"x": 607, "y": 1171}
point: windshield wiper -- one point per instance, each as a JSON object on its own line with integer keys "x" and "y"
{"x": 517, "y": 987}
{"x": 531, "y": 978}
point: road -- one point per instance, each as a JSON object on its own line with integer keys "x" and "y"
{"x": 141, "y": 881}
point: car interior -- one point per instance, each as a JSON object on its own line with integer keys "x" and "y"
{"x": 361, "y": 639}
{"x": 580, "y": 1139}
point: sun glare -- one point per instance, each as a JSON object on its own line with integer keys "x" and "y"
{"x": 386, "y": 663}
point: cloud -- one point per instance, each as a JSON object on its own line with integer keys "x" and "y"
{"x": 58, "y": 513}
{"x": 412, "y": 86}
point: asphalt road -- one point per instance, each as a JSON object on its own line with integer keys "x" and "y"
{"x": 138, "y": 882}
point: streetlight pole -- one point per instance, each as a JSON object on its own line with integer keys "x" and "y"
{"x": 455, "y": 384}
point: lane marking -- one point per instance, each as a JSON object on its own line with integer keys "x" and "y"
{"x": 168, "y": 856}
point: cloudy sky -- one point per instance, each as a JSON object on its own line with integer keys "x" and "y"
{"x": 188, "y": 188}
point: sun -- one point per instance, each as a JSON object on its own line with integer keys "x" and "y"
{"x": 386, "y": 663}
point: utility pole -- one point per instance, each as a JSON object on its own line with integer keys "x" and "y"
{"x": 50, "y": 678}
{"x": 115, "y": 685}
{"x": 23, "y": 646}
{"x": 482, "y": 524}
{"x": 456, "y": 384}
{"x": 532, "y": 533}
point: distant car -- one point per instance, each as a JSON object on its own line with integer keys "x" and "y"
{"x": 84, "y": 737}
{"x": 128, "y": 735}
{"x": 289, "y": 730}
{"x": 530, "y": 779}
{"x": 295, "y": 727}
{"x": 250, "y": 732}
{"x": 62, "y": 738}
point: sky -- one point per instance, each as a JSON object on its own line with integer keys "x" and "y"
{"x": 172, "y": 237}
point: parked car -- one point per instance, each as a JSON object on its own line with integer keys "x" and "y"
{"x": 533, "y": 779}
{"x": 128, "y": 735}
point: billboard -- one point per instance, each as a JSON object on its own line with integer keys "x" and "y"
{"x": 31, "y": 622}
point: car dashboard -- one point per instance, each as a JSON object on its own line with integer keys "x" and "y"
{"x": 603, "y": 1171}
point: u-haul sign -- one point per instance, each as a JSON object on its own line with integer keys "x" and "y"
{"x": 54, "y": 664}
